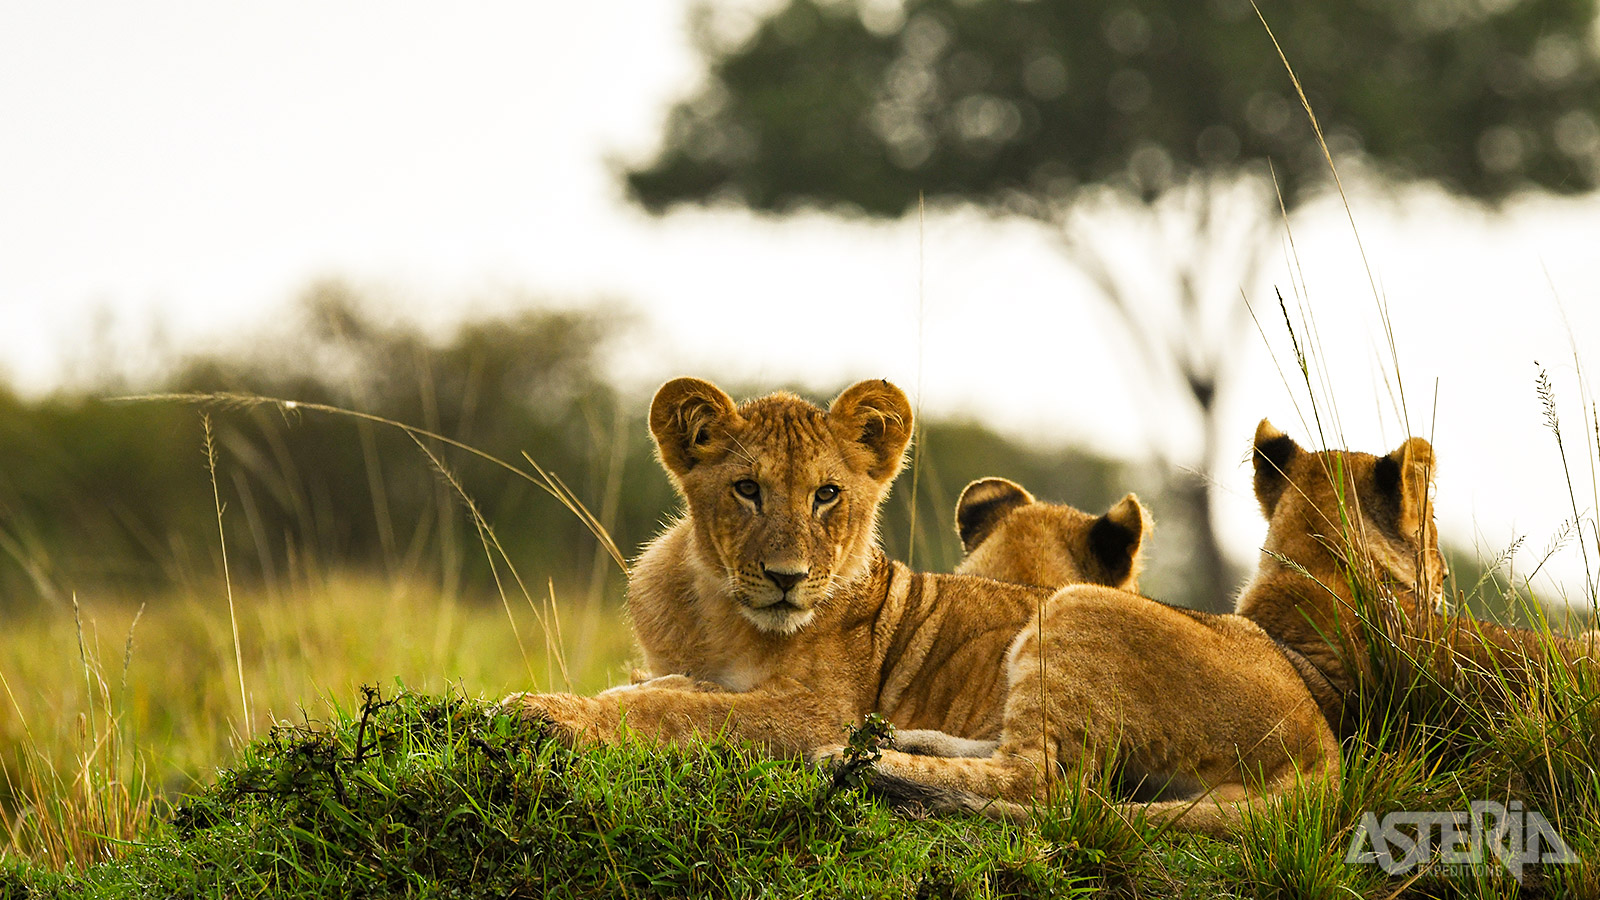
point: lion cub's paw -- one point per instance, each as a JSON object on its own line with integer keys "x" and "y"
{"x": 512, "y": 705}
{"x": 566, "y": 715}
{"x": 829, "y": 756}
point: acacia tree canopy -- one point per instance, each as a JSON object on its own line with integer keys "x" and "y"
{"x": 1019, "y": 104}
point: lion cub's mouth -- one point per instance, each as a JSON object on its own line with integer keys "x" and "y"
{"x": 782, "y": 616}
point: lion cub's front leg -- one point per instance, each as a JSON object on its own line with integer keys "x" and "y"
{"x": 640, "y": 678}
{"x": 783, "y": 717}
{"x": 931, "y": 742}
{"x": 914, "y": 742}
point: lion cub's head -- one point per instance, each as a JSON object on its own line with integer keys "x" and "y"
{"x": 1009, "y": 536}
{"x": 1384, "y": 498}
{"x": 782, "y": 495}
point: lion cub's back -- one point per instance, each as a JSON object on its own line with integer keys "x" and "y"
{"x": 1149, "y": 663}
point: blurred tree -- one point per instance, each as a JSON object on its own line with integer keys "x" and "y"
{"x": 94, "y": 494}
{"x": 97, "y": 496}
{"x": 1172, "y": 109}
{"x": 316, "y": 491}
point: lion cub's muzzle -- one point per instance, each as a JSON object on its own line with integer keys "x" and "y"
{"x": 783, "y": 586}
{"x": 785, "y": 579}
{"x": 782, "y": 601}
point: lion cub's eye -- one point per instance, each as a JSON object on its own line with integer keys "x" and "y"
{"x": 827, "y": 493}
{"x": 746, "y": 488}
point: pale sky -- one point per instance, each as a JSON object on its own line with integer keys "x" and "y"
{"x": 179, "y": 172}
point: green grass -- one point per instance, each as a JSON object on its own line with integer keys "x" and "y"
{"x": 130, "y": 769}
{"x": 428, "y": 795}
{"x": 433, "y": 795}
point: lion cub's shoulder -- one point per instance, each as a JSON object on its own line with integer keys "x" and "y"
{"x": 1010, "y": 536}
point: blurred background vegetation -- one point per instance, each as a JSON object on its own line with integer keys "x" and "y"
{"x": 101, "y": 494}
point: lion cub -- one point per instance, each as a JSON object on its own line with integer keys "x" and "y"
{"x": 1200, "y": 712}
{"x": 1009, "y": 536}
{"x": 770, "y": 600}
{"x": 1302, "y": 593}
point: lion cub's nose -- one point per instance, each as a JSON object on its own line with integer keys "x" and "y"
{"x": 785, "y": 580}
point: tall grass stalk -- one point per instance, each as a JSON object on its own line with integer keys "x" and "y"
{"x": 497, "y": 557}
{"x": 542, "y": 478}
{"x": 491, "y": 546}
{"x": 227, "y": 579}
{"x": 539, "y": 477}
{"x": 1552, "y": 419}
{"x": 919, "y": 428}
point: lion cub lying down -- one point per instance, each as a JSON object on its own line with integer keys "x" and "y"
{"x": 783, "y": 621}
{"x": 772, "y": 590}
{"x": 1197, "y": 712}
{"x": 1009, "y": 536}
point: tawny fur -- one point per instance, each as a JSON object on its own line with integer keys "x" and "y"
{"x": 1010, "y": 536}
{"x": 1301, "y": 593}
{"x": 1202, "y": 712}
{"x": 856, "y": 633}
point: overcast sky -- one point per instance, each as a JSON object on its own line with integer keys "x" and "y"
{"x": 173, "y": 174}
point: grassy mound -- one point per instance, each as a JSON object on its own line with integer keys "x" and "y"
{"x": 435, "y": 796}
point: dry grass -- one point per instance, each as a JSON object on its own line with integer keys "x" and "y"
{"x": 112, "y": 709}
{"x": 108, "y": 713}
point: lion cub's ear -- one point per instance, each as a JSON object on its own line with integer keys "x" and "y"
{"x": 875, "y": 416}
{"x": 983, "y": 504}
{"x": 1274, "y": 453}
{"x": 1114, "y": 538}
{"x": 686, "y": 418}
{"x": 1403, "y": 476}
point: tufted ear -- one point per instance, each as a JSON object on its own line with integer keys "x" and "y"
{"x": 1114, "y": 538}
{"x": 876, "y": 416}
{"x": 1273, "y": 454}
{"x": 1404, "y": 477}
{"x": 686, "y": 418}
{"x": 983, "y": 504}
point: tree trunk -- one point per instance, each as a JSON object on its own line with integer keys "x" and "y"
{"x": 1215, "y": 580}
